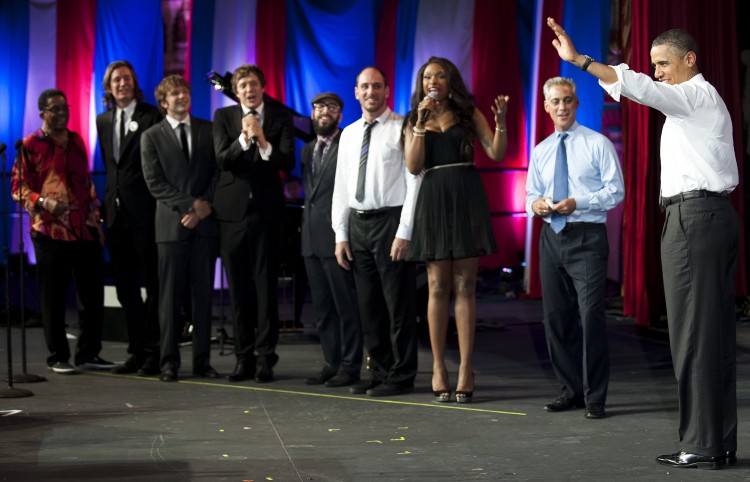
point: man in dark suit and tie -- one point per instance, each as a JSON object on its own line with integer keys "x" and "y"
{"x": 179, "y": 168}
{"x": 333, "y": 292}
{"x": 253, "y": 142}
{"x": 129, "y": 213}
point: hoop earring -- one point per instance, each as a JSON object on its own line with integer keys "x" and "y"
{"x": 450, "y": 95}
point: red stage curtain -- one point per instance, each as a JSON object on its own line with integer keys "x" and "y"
{"x": 270, "y": 46}
{"x": 713, "y": 27}
{"x": 385, "y": 44}
{"x": 549, "y": 66}
{"x": 75, "y": 61}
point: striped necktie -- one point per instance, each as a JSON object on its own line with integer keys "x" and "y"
{"x": 360, "y": 195}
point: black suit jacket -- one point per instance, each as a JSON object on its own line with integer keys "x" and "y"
{"x": 244, "y": 172}
{"x": 125, "y": 179}
{"x": 318, "y": 238}
{"x": 175, "y": 182}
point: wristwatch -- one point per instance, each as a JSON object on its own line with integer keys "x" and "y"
{"x": 586, "y": 64}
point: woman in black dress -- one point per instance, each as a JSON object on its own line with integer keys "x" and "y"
{"x": 452, "y": 226}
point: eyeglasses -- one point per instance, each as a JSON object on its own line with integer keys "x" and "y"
{"x": 332, "y": 107}
{"x": 58, "y": 109}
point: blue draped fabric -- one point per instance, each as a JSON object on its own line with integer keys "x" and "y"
{"x": 588, "y": 23}
{"x": 201, "y": 47}
{"x": 406, "y": 27}
{"x": 327, "y": 45}
{"x": 14, "y": 54}
{"x": 134, "y": 31}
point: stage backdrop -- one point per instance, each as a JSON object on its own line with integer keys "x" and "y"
{"x": 305, "y": 47}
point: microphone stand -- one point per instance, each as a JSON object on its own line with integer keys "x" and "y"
{"x": 23, "y": 377}
{"x": 9, "y": 392}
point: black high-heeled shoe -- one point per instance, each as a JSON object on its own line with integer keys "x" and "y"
{"x": 464, "y": 396}
{"x": 442, "y": 396}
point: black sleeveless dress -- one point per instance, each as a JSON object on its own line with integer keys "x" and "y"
{"x": 452, "y": 216}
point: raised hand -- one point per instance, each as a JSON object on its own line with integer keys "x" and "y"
{"x": 564, "y": 46}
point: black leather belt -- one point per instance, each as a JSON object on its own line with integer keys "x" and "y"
{"x": 685, "y": 196}
{"x": 374, "y": 213}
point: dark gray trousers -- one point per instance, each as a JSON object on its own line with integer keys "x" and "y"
{"x": 573, "y": 268}
{"x": 699, "y": 248}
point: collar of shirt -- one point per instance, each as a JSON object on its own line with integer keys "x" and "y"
{"x": 260, "y": 110}
{"x": 174, "y": 123}
{"x": 381, "y": 119}
{"x": 128, "y": 111}
{"x": 328, "y": 139}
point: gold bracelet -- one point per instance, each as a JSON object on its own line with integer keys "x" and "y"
{"x": 421, "y": 134}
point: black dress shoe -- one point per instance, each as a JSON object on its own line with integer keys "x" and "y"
{"x": 730, "y": 458}
{"x": 263, "y": 374}
{"x": 242, "y": 371}
{"x": 362, "y": 387}
{"x": 684, "y": 460}
{"x": 148, "y": 370}
{"x": 343, "y": 379}
{"x": 325, "y": 374}
{"x": 594, "y": 410}
{"x": 389, "y": 390}
{"x": 168, "y": 374}
{"x": 206, "y": 372}
{"x": 130, "y": 366}
{"x": 564, "y": 403}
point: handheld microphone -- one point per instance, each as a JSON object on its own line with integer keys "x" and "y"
{"x": 253, "y": 113}
{"x": 2, "y": 147}
{"x": 432, "y": 95}
{"x": 19, "y": 143}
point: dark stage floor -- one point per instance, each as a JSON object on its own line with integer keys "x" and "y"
{"x": 99, "y": 426}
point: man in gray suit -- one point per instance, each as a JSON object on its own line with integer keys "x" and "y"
{"x": 333, "y": 292}
{"x": 179, "y": 168}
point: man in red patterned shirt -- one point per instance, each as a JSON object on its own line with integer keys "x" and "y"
{"x": 57, "y": 191}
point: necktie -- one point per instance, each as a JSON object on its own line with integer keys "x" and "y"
{"x": 360, "y": 195}
{"x": 121, "y": 137}
{"x": 560, "y": 186}
{"x": 184, "y": 141}
{"x": 318, "y": 158}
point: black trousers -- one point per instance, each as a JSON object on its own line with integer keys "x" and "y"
{"x": 134, "y": 260}
{"x": 699, "y": 249}
{"x": 56, "y": 262}
{"x": 336, "y": 313}
{"x": 250, "y": 253}
{"x": 573, "y": 269}
{"x": 186, "y": 263}
{"x": 386, "y": 292}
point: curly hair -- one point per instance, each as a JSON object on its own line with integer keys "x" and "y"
{"x": 45, "y": 96}
{"x": 168, "y": 83}
{"x": 109, "y": 98}
{"x": 460, "y": 101}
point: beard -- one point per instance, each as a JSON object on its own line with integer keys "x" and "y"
{"x": 325, "y": 130}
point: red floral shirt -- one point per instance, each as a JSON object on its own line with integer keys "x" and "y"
{"x": 51, "y": 171}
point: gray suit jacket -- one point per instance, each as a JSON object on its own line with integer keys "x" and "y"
{"x": 318, "y": 238}
{"x": 176, "y": 182}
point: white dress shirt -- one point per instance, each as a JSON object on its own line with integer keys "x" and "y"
{"x": 116, "y": 141}
{"x": 697, "y": 148}
{"x": 594, "y": 174}
{"x": 387, "y": 182}
{"x": 175, "y": 124}
{"x": 265, "y": 154}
